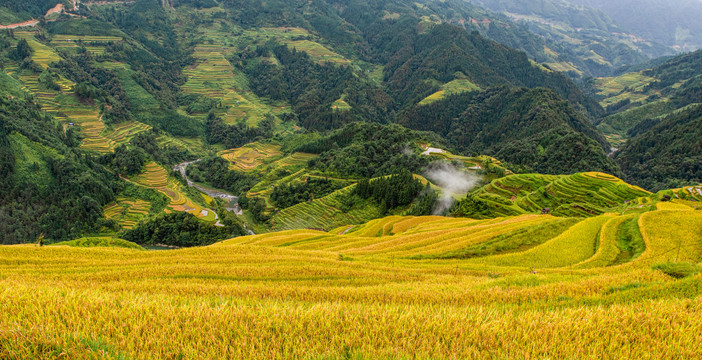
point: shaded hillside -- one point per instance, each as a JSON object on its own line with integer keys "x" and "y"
{"x": 673, "y": 23}
{"x": 445, "y": 53}
{"x": 48, "y": 186}
{"x": 666, "y": 155}
{"x": 531, "y": 128}
{"x": 595, "y": 45}
{"x": 637, "y": 100}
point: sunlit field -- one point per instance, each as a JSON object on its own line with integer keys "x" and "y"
{"x": 524, "y": 287}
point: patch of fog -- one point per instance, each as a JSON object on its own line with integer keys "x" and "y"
{"x": 453, "y": 181}
{"x": 407, "y": 151}
{"x": 432, "y": 150}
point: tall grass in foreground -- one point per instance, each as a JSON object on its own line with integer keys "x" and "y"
{"x": 252, "y": 302}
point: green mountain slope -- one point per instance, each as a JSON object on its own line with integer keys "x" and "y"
{"x": 637, "y": 100}
{"x": 530, "y": 128}
{"x": 579, "y": 195}
{"x": 595, "y": 44}
{"x": 667, "y": 154}
{"x": 670, "y": 23}
{"x": 283, "y": 103}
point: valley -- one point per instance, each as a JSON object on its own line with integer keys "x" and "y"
{"x": 346, "y": 180}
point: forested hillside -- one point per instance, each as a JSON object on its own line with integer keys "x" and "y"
{"x": 670, "y": 23}
{"x": 595, "y": 44}
{"x": 253, "y": 115}
{"x": 651, "y": 117}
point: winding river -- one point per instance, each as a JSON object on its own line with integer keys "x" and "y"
{"x": 231, "y": 200}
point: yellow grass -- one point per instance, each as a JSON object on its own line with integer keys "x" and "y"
{"x": 156, "y": 177}
{"x": 266, "y": 303}
{"x": 250, "y": 156}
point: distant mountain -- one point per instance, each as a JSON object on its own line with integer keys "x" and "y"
{"x": 654, "y": 118}
{"x": 672, "y": 23}
{"x": 588, "y": 41}
{"x": 640, "y": 99}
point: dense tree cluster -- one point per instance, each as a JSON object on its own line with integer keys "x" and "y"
{"x": 391, "y": 191}
{"x": 312, "y": 88}
{"x": 97, "y": 84}
{"x": 667, "y": 155}
{"x": 215, "y": 171}
{"x": 180, "y": 229}
{"x": 369, "y": 150}
{"x": 232, "y": 136}
{"x": 287, "y": 195}
{"x": 59, "y": 192}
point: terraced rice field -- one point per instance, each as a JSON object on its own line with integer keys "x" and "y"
{"x": 94, "y": 44}
{"x": 156, "y": 177}
{"x": 251, "y": 156}
{"x": 317, "y": 51}
{"x": 127, "y": 212}
{"x": 295, "y": 160}
{"x": 215, "y": 77}
{"x": 341, "y": 105}
{"x": 324, "y": 213}
{"x": 527, "y": 286}
{"x": 41, "y": 54}
{"x": 68, "y": 110}
{"x": 628, "y": 86}
{"x": 453, "y": 87}
{"x": 471, "y": 162}
{"x": 525, "y": 241}
{"x": 584, "y": 194}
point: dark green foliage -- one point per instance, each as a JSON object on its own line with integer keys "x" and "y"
{"x": 287, "y": 195}
{"x": 447, "y": 50}
{"x": 174, "y": 123}
{"x": 678, "y": 69}
{"x": 127, "y": 160}
{"x": 530, "y": 128}
{"x": 667, "y": 155}
{"x": 426, "y": 203}
{"x": 83, "y": 27}
{"x": 257, "y": 208}
{"x": 32, "y": 8}
{"x": 679, "y": 270}
{"x": 164, "y": 155}
{"x": 97, "y": 84}
{"x": 158, "y": 201}
{"x": 232, "y": 136}
{"x": 198, "y": 104}
{"x": 22, "y": 50}
{"x": 474, "y": 207}
{"x": 47, "y": 80}
{"x": 369, "y": 150}
{"x": 60, "y": 194}
{"x": 70, "y": 206}
{"x": 198, "y": 4}
{"x": 215, "y": 171}
{"x": 392, "y": 191}
{"x": 180, "y": 229}
{"x": 312, "y": 88}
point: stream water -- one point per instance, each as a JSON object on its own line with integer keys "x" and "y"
{"x": 231, "y": 200}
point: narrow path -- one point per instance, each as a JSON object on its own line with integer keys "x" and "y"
{"x": 34, "y": 22}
